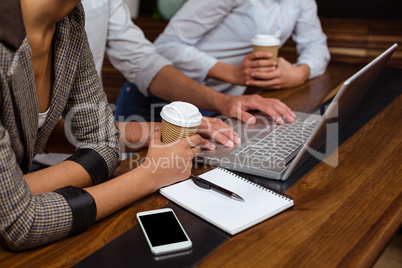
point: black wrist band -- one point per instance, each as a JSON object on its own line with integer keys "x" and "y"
{"x": 93, "y": 163}
{"x": 83, "y": 208}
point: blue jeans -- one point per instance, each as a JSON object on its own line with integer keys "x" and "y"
{"x": 132, "y": 105}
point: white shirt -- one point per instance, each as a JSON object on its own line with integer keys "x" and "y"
{"x": 42, "y": 118}
{"x": 110, "y": 29}
{"x": 205, "y": 32}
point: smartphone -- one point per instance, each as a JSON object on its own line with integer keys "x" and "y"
{"x": 163, "y": 231}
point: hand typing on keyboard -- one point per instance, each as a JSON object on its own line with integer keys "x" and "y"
{"x": 238, "y": 107}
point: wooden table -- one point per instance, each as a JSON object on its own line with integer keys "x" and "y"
{"x": 343, "y": 216}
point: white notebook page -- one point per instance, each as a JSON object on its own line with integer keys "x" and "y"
{"x": 226, "y": 213}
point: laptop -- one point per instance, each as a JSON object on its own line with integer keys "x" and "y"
{"x": 274, "y": 151}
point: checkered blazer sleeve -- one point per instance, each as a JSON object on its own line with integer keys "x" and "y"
{"x": 27, "y": 220}
{"x": 89, "y": 118}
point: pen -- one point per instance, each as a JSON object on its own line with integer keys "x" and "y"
{"x": 209, "y": 185}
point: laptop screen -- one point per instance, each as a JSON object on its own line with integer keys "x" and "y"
{"x": 340, "y": 109}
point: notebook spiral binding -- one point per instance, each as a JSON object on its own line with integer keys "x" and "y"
{"x": 264, "y": 187}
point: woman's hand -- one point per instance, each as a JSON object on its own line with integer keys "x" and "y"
{"x": 169, "y": 163}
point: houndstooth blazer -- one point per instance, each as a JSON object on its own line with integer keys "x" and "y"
{"x": 27, "y": 220}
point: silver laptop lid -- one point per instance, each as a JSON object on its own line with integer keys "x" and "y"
{"x": 344, "y": 103}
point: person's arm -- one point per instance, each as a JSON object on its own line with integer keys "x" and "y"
{"x": 311, "y": 41}
{"x": 151, "y": 175}
{"x": 171, "y": 84}
{"x": 186, "y": 29}
{"x": 26, "y": 217}
{"x": 137, "y": 135}
{"x": 127, "y": 48}
{"x": 232, "y": 74}
{"x": 114, "y": 194}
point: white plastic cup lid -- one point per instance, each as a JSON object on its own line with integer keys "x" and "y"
{"x": 181, "y": 114}
{"x": 265, "y": 40}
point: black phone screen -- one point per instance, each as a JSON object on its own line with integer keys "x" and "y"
{"x": 162, "y": 228}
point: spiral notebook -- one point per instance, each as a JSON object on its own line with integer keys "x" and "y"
{"x": 232, "y": 216}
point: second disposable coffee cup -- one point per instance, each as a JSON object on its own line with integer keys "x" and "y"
{"x": 266, "y": 43}
{"x": 179, "y": 120}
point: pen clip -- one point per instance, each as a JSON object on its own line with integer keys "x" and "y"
{"x": 209, "y": 185}
{"x": 201, "y": 183}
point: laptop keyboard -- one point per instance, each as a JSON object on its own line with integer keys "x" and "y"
{"x": 279, "y": 145}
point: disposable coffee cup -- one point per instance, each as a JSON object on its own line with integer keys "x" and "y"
{"x": 179, "y": 120}
{"x": 266, "y": 43}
